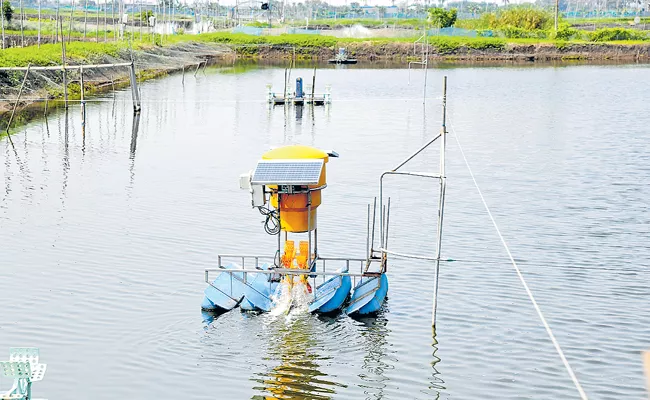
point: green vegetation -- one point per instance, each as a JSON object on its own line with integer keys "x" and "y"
{"x": 442, "y": 18}
{"x": 144, "y": 16}
{"x": 612, "y": 34}
{"x": 50, "y": 54}
{"x": 407, "y": 23}
{"x": 530, "y": 23}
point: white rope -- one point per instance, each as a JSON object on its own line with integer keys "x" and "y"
{"x": 581, "y": 391}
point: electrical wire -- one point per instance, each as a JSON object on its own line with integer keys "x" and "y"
{"x": 272, "y": 221}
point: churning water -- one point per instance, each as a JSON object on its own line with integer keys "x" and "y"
{"x": 105, "y": 235}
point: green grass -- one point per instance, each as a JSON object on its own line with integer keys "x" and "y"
{"x": 50, "y": 54}
{"x": 365, "y": 22}
{"x": 249, "y": 45}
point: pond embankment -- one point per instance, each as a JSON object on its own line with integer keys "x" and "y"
{"x": 183, "y": 51}
{"x": 150, "y": 61}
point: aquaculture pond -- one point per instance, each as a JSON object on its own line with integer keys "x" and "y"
{"x": 106, "y": 231}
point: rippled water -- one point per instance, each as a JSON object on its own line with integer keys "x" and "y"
{"x": 105, "y": 236}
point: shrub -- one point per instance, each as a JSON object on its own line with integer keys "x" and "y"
{"x": 612, "y": 34}
{"x": 564, "y": 33}
{"x": 443, "y": 18}
{"x": 525, "y": 18}
{"x": 513, "y": 32}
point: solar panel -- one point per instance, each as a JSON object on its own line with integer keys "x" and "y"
{"x": 287, "y": 172}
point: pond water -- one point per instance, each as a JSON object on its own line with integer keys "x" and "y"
{"x": 106, "y": 233}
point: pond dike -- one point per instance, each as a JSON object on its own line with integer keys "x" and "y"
{"x": 150, "y": 63}
{"x": 472, "y": 52}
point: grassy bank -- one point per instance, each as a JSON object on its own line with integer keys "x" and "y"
{"x": 321, "y": 46}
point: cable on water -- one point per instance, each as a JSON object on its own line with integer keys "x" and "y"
{"x": 272, "y": 221}
{"x": 556, "y": 344}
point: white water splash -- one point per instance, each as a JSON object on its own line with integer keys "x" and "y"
{"x": 356, "y": 31}
{"x": 290, "y": 301}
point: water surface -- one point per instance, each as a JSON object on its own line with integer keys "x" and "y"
{"x": 106, "y": 232}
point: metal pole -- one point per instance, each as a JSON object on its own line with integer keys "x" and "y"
{"x": 313, "y": 86}
{"x": 426, "y": 68}
{"x": 65, "y": 77}
{"x": 368, "y": 235}
{"x": 71, "y": 18}
{"x": 97, "y": 25}
{"x": 113, "y": 18}
{"x": 2, "y": 20}
{"x": 39, "y": 24}
{"x": 56, "y": 25}
{"x": 85, "y": 17}
{"x": 134, "y": 89}
{"x": 441, "y": 203}
{"x": 309, "y": 229}
{"x": 279, "y": 230}
{"x": 83, "y": 95}
{"x": 141, "y": 20}
{"x": 22, "y": 21}
{"x": 105, "y": 21}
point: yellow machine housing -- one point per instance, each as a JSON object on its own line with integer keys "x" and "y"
{"x": 294, "y": 211}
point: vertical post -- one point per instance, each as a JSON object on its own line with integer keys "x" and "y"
{"x": 557, "y": 12}
{"x": 309, "y": 229}
{"x": 2, "y": 21}
{"x": 39, "y": 24}
{"x": 134, "y": 89}
{"x": 426, "y": 66}
{"x": 368, "y": 235}
{"x": 441, "y": 202}
{"x": 280, "y": 225}
{"x": 65, "y": 77}
{"x": 22, "y": 21}
{"x": 97, "y": 25}
{"x": 113, "y": 18}
{"x": 105, "y": 21}
{"x": 56, "y": 24}
{"x": 85, "y": 17}
{"x": 71, "y": 19}
{"x": 83, "y": 96}
{"x": 313, "y": 86}
{"x": 141, "y": 20}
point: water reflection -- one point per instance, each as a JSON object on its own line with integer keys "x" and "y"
{"x": 374, "y": 334}
{"x": 436, "y": 384}
{"x": 134, "y": 134}
{"x": 294, "y": 344}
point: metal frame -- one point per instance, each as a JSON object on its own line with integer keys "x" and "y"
{"x": 442, "y": 178}
{"x": 373, "y": 255}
